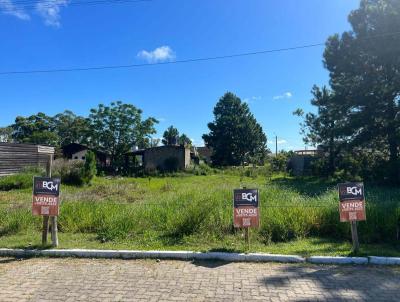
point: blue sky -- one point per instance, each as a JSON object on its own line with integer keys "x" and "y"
{"x": 58, "y": 34}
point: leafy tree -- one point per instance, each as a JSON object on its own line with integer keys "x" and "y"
{"x": 6, "y": 134}
{"x": 235, "y": 136}
{"x": 170, "y": 136}
{"x": 184, "y": 140}
{"x": 89, "y": 169}
{"x": 71, "y": 128}
{"x": 118, "y": 127}
{"x": 35, "y": 129}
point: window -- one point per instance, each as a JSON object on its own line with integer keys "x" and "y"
{"x": 83, "y": 158}
{"x": 76, "y": 157}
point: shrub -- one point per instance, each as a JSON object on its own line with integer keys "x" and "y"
{"x": 70, "y": 171}
{"x": 89, "y": 169}
{"x": 22, "y": 180}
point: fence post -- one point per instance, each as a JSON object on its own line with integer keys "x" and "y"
{"x": 354, "y": 236}
{"x": 247, "y": 237}
{"x": 45, "y": 228}
{"x": 53, "y": 219}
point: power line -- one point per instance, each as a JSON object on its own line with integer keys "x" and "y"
{"x": 162, "y": 63}
{"x": 230, "y": 56}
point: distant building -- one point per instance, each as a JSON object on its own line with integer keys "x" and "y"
{"x": 160, "y": 158}
{"x": 311, "y": 152}
{"x": 76, "y": 151}
{"x": 15, "y": 157}
{"x": 205, "y": 154}
{"x": 301, "y": 162}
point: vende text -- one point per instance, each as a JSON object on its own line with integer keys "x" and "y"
{"x": 246, "y": 212}
{"x": 45, "y": 200}
{"x": 352, "y": 206}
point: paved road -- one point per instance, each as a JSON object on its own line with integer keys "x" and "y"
{"x": 43, "y": 280}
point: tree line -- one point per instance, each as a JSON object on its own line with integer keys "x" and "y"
{"x": 235, "y": 136}
{"x": 357, "y": 119}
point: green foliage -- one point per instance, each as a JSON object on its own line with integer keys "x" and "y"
{"x": 71, "y": 128}
{"x": 118, "y": 127}
{"x": 362, "y": 111}
{"x": 170, "y": 210}
{"x": 235, "y": 135}
{"x": 35, "y": 129}
{"x": 170, "y": 136}
{"x": 89, "y": 169}
{"x": 70, "y": 171}
{"x": 184, "y": 140}
{"x": 22, "y": 180}
{"x": 6, "y": 134}
{"x": 279, "y": 162}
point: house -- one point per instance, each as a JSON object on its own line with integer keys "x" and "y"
{"x": 15, "y": 157}
{"x": 160, "y": 158}
{"x": 76, "y": 151}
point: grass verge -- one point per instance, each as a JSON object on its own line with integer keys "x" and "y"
{"x": 303, "y": 247}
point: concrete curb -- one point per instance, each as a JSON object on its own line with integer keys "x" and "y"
{"x": 384, "y": 260}
{"x": 337, "y": 260}
{"x": 189, "y": 255}
{"x": 177, "y": 255}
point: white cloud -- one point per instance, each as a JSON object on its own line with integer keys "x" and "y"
{"x": 281, "y": 141}
{"x": 161, "y": 119}
{"x": 286, "y": 95}
{"x": 49, "y": 10}
{"x": 252, "y": 99}
{"x": 160, "y": 54}
{"x": 8, "y": 8}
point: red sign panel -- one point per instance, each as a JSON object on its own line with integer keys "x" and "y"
{"x": 352, "y": 203}
{"x": 46, "y": 198}
{"x": 245, "y": 208}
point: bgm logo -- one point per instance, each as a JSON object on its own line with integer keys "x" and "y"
{"x": 354, "y": 191}
{"x": 249, "y": 197}
{"x": 48, "y": 185}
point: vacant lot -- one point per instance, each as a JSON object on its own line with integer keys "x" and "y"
{"x": 195, "y": 212}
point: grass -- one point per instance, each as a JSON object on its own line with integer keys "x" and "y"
{"x": 195, "y": 213}
{"x": 303, "y": 247}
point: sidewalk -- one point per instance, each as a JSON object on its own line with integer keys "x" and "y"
{"x": 68, "y": 279}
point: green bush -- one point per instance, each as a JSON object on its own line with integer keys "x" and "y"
{"x": 70, "y": 171}
{"x": 89, "y": 169}
{"x": 22, "y": 180}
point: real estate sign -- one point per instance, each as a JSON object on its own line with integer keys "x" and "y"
{"x": 352, "y": 202}
{"x": 46, "y": 196}
{"x": 245, "y": 208}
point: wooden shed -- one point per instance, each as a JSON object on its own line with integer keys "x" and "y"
{"x": 15, "y": 157}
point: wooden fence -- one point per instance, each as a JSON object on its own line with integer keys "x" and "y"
{"x": 15, "y": 157}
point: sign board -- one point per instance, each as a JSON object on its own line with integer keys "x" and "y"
{"x": 46, "y": 196}
{"x": 352, "y": 202}
{"x": 245, "y": 208}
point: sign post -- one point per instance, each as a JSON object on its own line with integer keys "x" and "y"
{"x": 45, "y": 202}
{"x": 352, "y": 208}
{"x": 245, "y": 211}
